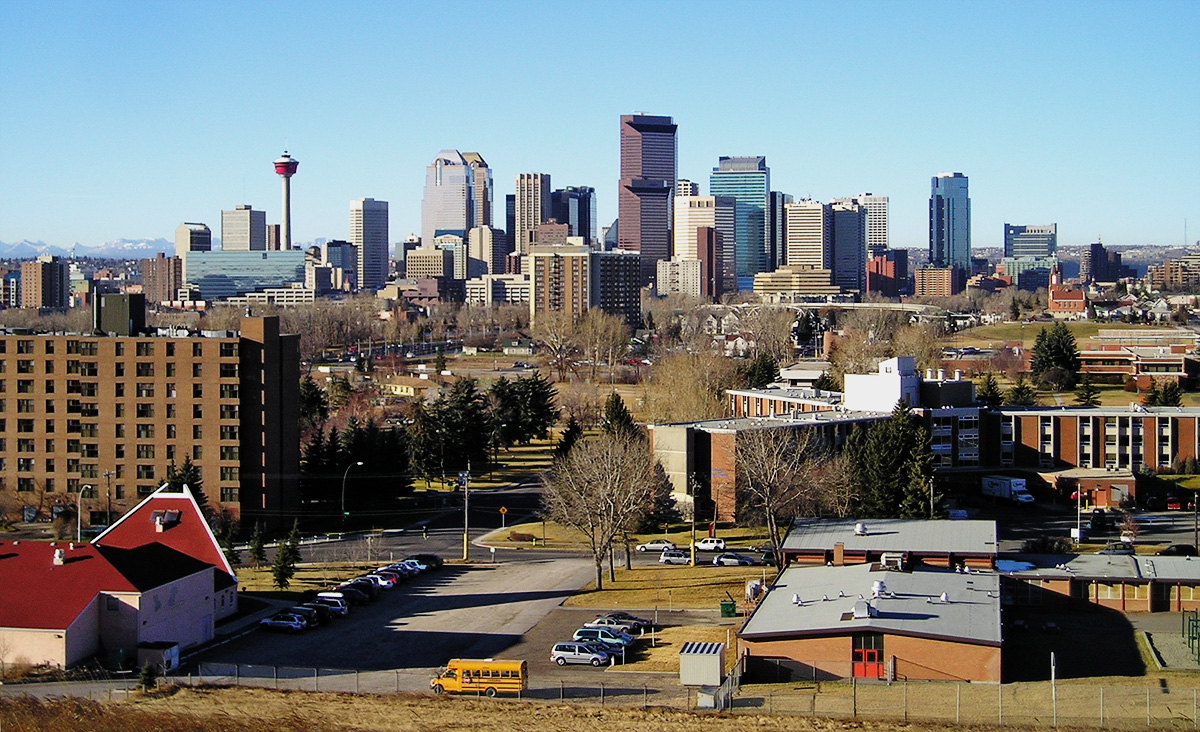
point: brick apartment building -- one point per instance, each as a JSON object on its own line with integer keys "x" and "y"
{"x": 113, "y": 411}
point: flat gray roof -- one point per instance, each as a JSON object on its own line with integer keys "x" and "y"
{"x": 910, "y": 605}
{"x": 894, "y": 535}
{"x": 1113, "y": 567}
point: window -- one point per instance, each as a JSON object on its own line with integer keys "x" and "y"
{"x": 49, "y": 346}
{"x": 197, "y": 412}
{"x": 171, "y": 453}
{"x": 170, "y": 411}
{"x": 49, "y": 367}
{"x": 24, "y": 346}
{"x": 145, "y": 432}
{"x": 49, "y": 481}
{"x": 24, "y": 425}
{"x": 228, "y": 371}
{"x": 25, "y": 445}
{"x": 229, "y": 474}
{"x": 119, "y": 430}
{"x": 145, "y": 452}
{"x": 49, "y": 386}
{"x": 145, "y": 348}
{"x": 25, "y": 485}
{"x": 120, "y": 410}
{"x": 197, "y": 350}
{"x": 196, "y": 370}
{"x": 25, "y": 465}
{"x": 145, "y": 390}
{"x": 171, "y": 369}
{"x": 73, "y": 485}
{"x": 72, "y": 465}
{"x": 145, "y": 472}
{"x": 50, "y": 426}
{"x": 145, "y": 370}
{"x": 144, "y": 411}
{"x": 197, "y": 452}
{"x": 229, "y": 391}
{"x": 49, "y": 406}
{"x": 145, "y": 490}
{"x": 119, "y": 492}
{"x": 90, "y": 450}
{"x": 170, "y": 432}
{"x": 119, "y": 390}
{"x": 119, "y": 453}
{"x": 24, "y": 366}
{"x": 170, "y": 350}
{"x": 25, "y": 406}
{"x": 196, "y": 432}
{"x": 228, "y": 350}
{"x": 49, "y": 445}
{"x": 229, "y": 452}
{"x": 88, "y": 368}
{"x": 229, "y": 432}
{"x": 87, "y": 348}
{"x": 197, "y": 391}
{"x": 119, "y": 369}
{"x": 25, "y": 386}
{"x": 229, "y": 411}
{"x": 74, "y": 445}
{"x": 120, "y": 349}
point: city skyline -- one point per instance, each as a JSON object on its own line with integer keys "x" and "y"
{"x": 98, "y": 127}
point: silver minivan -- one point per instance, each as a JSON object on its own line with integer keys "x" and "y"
{"x": 564, "y": 653}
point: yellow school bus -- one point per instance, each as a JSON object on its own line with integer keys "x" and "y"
{"x": 488, "y": 676}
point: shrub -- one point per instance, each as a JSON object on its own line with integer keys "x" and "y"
{"x": 1047, "y": 545}
{"x": 520, "y": 537}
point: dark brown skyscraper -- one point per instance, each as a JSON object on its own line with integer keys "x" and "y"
{"x": 648, "y": 172}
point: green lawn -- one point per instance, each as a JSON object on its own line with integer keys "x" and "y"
{"x": 997, "y": 334}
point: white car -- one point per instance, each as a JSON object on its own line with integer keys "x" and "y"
{"x": 674, "y": 557}
{"x": 384, "y": 583}
{"x": 709, "y": 544}
{"x": 612, "y": 624}
{"x": 656, "y": 545}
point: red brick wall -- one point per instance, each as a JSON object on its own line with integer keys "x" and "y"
{"x": 724, "y": 476}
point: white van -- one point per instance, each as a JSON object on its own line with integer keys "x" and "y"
{"x": 338, "y": 605}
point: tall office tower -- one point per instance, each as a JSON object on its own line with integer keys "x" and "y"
{"x": 45, "y": 283}
{"x": 950, "y": 222}
{"x": 510, "y": 220}
{"x": 342, "y": 257}
{"x": 285, "y": 168}
{"x": 849, "y": 243}
{"x": 532, "y": 207}
{"x": 777, "y": 229}
{"x": 273, "y": 238}
{"x": 692, "y": 212}
{"x": 190, "y": 237}
{"x": 162, "y": 277}
{"x": 877, "y": 221}
{"x": 576, "y": 207}
{"x": 369, "y": 235}
{"x": 1030, "y": 241}
{"x": 685, "y": 187}
{"x": 748, "y": 179}
{"x": 809, "y": 235}
{"x": 448, "y": 206}
{"x": 489, "y": 246}
{"x": 243, "y": 230}
{"x": 481, "y": 189}
{"x": 649, "y": 163}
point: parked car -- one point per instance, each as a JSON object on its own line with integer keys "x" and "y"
{"x": 636, "y": 622}
{"x": 564, "y": 653}
{"x": 338, "y": 606}
{"x": 768, "y": 558}
{"x": 656, "y": 545}
{"x": 324, "y": 613}
{"x": 1117, "y": 547}
{"x": 385, "y": 583}
{"x": 395, "y": 575}
{"x": 432, "y": 560}
{"x": 674, "y": 557}
{"x": 1178, "y": 550}
{"x": 709, "y": 544}
{"x": 345, "y": 594}
{"x": 365, "y": 586}
{"x": 611, "y": 623}
{"x": 1098, "y": 521}
{"x": 311, "y": 619}
{"x": 285, "y": 622}
{"x": 730, "y": 559}
{"x": 1173, "y": 502}
{"x": 604, "y": 635}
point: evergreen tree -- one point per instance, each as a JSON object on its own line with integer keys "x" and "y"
{"x": 825, "y": 382}
{"x": 988, "y": 392}
{"x": 1087, "y": 394}
{"x": 463, "y": 416}
{"x": 287, "y": 554}
{"x": 1014, "y": 309}
{"x": 616, "y": 419}
{"x": 188, "y": 473}
{"x": 1055, "y": 359}
{"x": 1022, "y": 394}
{"x": 1170, "y": 395}
{"x": 1152, "y": 397}
{"x": 916, "y": 503}
{"x": 314, "y": 407}
{"x": 662, "y": 511}
{"x": 148, "y": 676}
{"x": 258, "y": 548}
{"x": 760, "y": 372}
{"x": 569, "y": 437}
{"x": 340, "y": 392}
{"x": 537, "y": 410}
{"x": 880, "y": 457}
{"x": 439, "y": 364}
{"x": 232, "y": 555}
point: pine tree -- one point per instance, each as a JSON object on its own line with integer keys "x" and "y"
{"x": 825, "y": 382}
{"x": 258, "y": 549}
{"x": 988, "y": 392}
{"x": 1014, "y": 309}
{"x": 232, "y": 555}
{"x": 1022, "y": 394}
{"x": 1087, "y": 394}
{"x": 917, "y": 500}
{"x": 760, "y": 372}
{"x": 287, "y": 554}
{"x": 1055, "y": 360}
{"x": 616, "y": 419}
{"x": 880, "y": 457}
{"x": 148, "y": 676}
{"x": 188, "y": 473}
{"x": 1170, "y": 395}
{"x": 1152, "y": 397}
{"x": 662, "y": 511}
{"x": 569, "y": 437}
{"x": 439, "y": 364}
{"x": 314, "y": 407}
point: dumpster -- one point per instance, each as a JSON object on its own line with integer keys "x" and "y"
{"x": 728, "y": 609}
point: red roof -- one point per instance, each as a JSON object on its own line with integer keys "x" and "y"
{"x": 38, "y": 594}
{"x": 183, "y": 528}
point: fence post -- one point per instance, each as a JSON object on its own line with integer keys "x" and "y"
{"x": 771, "y": 702}
{"x": 275, "y": 676}
{"x": 1147, "y": 706}
{"x": 1102, "y": 705}
{"x": 316, "y": 679}
{"x": 854, "y": 696}
{"x": 237, "y": 675}
{"x": 1000, "y": 704}
{"x": 561, "y": 691}
{"x": 958, "y": 703}
{"x": 601, "y": 694}
{"x": 1195, "y": 720}
{"x": 645, "y": 695}
{"x": 397, "y": 681}
{"x": 356, "y": 682}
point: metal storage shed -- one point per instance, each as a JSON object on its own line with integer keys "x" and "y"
{"x": 701, "y": 664}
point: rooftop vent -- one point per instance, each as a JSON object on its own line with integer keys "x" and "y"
{"x": 58, "y": 557}
{"x": 877, "y": 589}
{"x": 860, "y": 529}
{"x": 864, "y": 609}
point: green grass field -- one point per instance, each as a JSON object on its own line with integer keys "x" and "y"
{"x": 995, "y": 335}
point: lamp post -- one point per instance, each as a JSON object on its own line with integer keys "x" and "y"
{"x": 108, "y": 476}
{"x": 79, "y": 514}
{"x": 344, "y": 476}
{"x": 694, "y": 486}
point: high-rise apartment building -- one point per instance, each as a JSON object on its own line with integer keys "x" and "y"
{"x": 649, "y": 167}
{"x": 575, "y": 206}
{"x": 489, "y": 246}
{"x": 369, "y": 235}
{"x": 45, "y": 283}
{"x": 887, "y": 272}
{"x": 242, "y": 230}
{"x": 877, "y": 221}
{"x": 747, "y": 179}
{"x": 937, "y": 281}
{"x": 448, "y": 204}
{"x": 950, "y": 222}
{"x": 575, "y": 278}
{"x": 693, "y": 212}
{"x": 685, "y": 187}
{"x": 481, "y": 185}
{"x": 708, "y": 275}
{"x": 162, "y": 277}
{"x": 192, "y": 237}
{"x": 1030, "y": 241}
{"x": 112, "y": 412}
{"x": 532, "y": 207}
{"x": 809, "y": 235}
{"x": 849, "y": 243}
{"x": 777, "y": 229}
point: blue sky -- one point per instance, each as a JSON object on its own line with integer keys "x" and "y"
{"x": 123, "y": 119}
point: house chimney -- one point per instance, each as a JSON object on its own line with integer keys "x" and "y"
{"x": 58, "y": 557}
{"x": 839, "y": 554}
{"x": 158, "y": 524}
{"x": 958, "y": 374}
{"x": 929, "y": 374}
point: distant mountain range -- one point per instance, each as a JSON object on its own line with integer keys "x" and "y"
{"x": 115, "y": 249}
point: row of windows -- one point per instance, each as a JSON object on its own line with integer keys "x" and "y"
{"x": 229, "y": 474}
{"x": 91, "y": 368}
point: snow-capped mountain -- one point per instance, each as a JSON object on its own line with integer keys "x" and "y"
{"x": 115, "y": 249}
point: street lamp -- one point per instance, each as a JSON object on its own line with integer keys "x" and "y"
{"x": 344, "y": 476}
{"x": 108, "y": 475}
{"x": 79, "y": 514}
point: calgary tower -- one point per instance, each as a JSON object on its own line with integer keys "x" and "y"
{"x": 285, "y": 168}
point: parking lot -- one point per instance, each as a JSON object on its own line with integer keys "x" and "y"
{"x": 472, "y": 611}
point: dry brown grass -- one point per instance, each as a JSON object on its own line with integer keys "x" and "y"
{"x": 679, "y": 534}
{"x": 663, "y": 656}
{"x": 308, "y": 577}
{"x": 670, "y": 586}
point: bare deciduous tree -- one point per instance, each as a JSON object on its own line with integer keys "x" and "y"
{"x": 603, "y": 337}
{"x": 601, "y": 489}
{"x": 556, "y": 333}
{"x": 688, "y": 386}
{"x": 783, "y": 473}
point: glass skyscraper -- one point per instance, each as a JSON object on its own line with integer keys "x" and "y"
{"x": 1030, "y": 241}
{"x": 448, "y": 206}
{"x": 950, "y": 222}
{"x": 748, "y": 181}
{"x": 649, "y": 159}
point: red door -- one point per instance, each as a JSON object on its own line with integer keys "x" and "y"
{"x": 868, "y": 663}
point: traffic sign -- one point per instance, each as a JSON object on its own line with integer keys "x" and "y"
{"x": 503, "y": 510}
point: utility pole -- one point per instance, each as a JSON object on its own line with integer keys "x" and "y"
{"x": 464, "y": 477}
{"x": 108, "y": 475}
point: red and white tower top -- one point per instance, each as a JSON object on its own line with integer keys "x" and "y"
{"x": 286, "y": 165}
{"x": 285, "y": 168}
